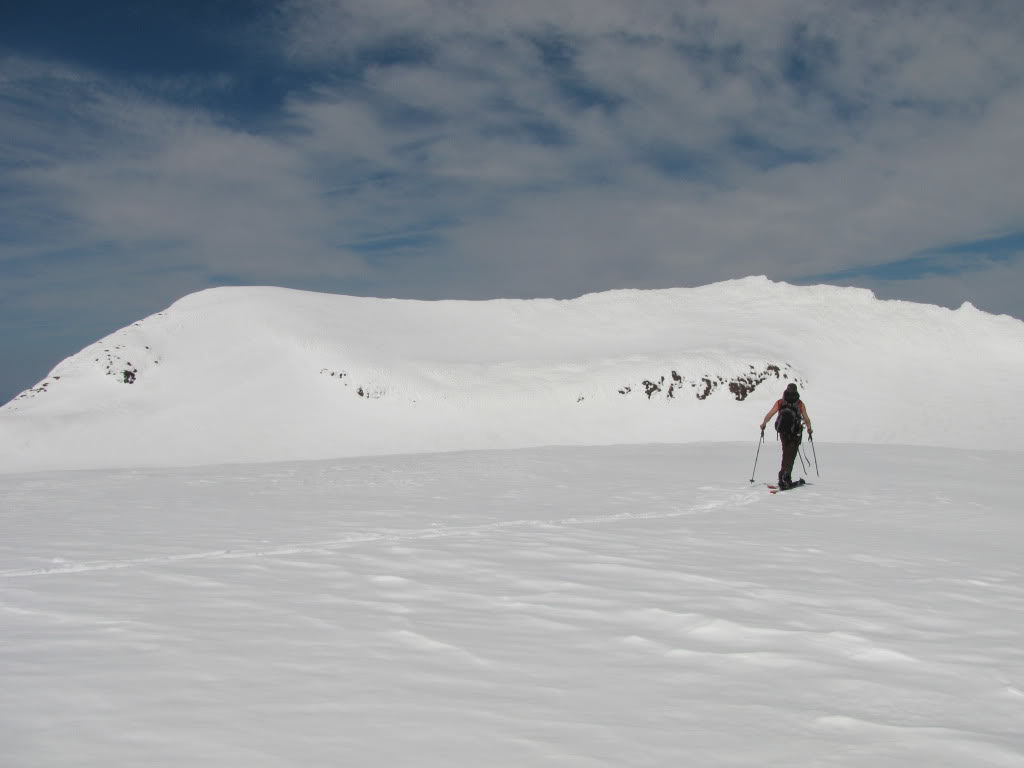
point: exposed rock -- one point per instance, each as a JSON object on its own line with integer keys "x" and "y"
{"x": 741, "y": 385}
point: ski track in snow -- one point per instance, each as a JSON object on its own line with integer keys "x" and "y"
{"x": 634, "y": 606}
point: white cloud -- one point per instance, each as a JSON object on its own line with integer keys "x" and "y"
{"x": 668, "y": 143}
{"x": 168, "y": 182}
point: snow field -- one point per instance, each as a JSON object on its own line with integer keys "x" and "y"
{"x": 632, "y": 605}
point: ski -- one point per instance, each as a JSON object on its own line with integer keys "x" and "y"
{"x": 796, "y": 484}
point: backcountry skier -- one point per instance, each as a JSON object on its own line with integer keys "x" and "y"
{"x": 792, "y": 415}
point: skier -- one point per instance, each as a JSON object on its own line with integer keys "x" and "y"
{"x": 792, "y": 415}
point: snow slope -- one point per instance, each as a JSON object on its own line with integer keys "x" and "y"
{"x": 265, "y": 374}
{"x": 618, "y": 605}
{"x": 639, "y": 606}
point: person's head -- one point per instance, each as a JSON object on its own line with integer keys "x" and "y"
{"x": 792, "y": 394}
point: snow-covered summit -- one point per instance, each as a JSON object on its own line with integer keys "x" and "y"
{"x": 260, "y": 374}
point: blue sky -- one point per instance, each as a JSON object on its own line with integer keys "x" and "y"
{"x": 466, "y": 149}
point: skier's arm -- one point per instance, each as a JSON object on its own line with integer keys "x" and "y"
{"x": 768, "y": 415}
{"x": 807, "y": 419}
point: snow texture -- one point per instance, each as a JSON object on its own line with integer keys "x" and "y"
{"x": 609, "y": 606}
{"x": 256, "y": 530}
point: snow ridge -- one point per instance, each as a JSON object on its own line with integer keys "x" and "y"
{"x": 269, "y": 374}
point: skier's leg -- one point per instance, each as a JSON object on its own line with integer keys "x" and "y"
{"x": 789, "y": 449}
{"x": 783, "y": 484}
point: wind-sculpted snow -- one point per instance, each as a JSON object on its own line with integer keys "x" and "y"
{"x": 263, "y": 374}
{"x": 641, "y": 606}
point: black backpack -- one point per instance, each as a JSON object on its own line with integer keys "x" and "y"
{"x": 788, "y": 423}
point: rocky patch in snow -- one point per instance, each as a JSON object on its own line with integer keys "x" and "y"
{"x": 39, "y": 389}
{"x": 116, "y": 363}
{"x": 372, "y": 393}
{"x": 704, "y": 385}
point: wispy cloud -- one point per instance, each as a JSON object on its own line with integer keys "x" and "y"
{"x": 952, "y": 260}
{"x": 710, "y": 138}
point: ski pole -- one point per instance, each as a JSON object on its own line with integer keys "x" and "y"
{"x": 756, "y": 455}
{"x": 802, "y": 463}
{"x": 811, "y": 437}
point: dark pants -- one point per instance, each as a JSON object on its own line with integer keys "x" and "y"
{"x": 790, "y": 446}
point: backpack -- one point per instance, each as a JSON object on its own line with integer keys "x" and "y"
{"x": 788, "y": 423}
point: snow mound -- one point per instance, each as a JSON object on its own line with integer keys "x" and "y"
{"x": 270, "y": 374}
